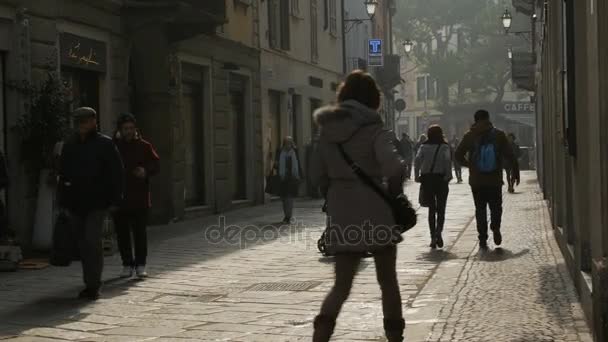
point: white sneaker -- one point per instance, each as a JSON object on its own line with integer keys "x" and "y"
{"x": 141, "y": 272}
{"x": 127, "y": 272}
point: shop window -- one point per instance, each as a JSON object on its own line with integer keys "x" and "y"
{"x": 192, "y": 110}
{"x": 84, "y": 86}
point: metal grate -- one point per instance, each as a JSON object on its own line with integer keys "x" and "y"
{"x": 285, "y": 286}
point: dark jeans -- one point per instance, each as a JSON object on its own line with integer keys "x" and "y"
{"x": 132, "y": 221}
{"x": 88, "y": 229}
{"x": 437, "y": 190}
{"x": 485, "y": 196}
{"x": 346, "y": 268}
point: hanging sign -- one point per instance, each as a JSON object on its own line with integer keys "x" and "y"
{"x": 375, "y": 56}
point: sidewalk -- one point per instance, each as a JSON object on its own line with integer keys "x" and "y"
{"x": 266, "y": 284}
{"x": 521, "y": 292}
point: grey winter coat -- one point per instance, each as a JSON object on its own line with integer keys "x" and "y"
{"x": 352, "y": 206}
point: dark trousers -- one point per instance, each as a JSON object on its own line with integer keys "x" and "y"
{"x": 458, "y": 172}
{"x": 437, "y": 190}
{"x": 510, "y": 178}
{"x": 487, "y": 196}
{"x": 346, "y": 268}
{"x": 132, "y": 222}
{"x": 88, "y": 229}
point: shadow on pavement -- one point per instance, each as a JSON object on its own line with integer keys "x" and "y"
{"x": 500, "y": 254}
{"x": 437, "y": 256}
{"x": 185, "y": 243}
{"x": 555, "y": 293}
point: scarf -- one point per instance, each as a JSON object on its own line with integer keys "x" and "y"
{"x": 283, "y": 163}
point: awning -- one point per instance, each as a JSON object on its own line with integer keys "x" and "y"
{"x": 524, "y": 119}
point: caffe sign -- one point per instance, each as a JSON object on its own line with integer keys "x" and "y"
{"x": 82, "y": 53}
{"x": 518, "y": 108}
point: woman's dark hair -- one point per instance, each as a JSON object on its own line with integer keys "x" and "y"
{"x": 361, "y": 87}
{"x": 123, "y": 118}
{"x": 435, "y": 135}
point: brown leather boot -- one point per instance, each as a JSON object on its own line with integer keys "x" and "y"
{"x": 324, "y": 328}
{"x": 394, "y": 329}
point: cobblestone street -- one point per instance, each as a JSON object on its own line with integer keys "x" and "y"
{"x": 265, "y": 282}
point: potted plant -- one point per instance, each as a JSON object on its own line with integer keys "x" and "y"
{"x": 44, "y": 124}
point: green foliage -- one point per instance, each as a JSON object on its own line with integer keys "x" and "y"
{"x": 46, "y": 120}
{"x": 468, "y": 45}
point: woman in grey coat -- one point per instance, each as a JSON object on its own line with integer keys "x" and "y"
{"x": 360, "y": 220}
{"x": 434, "y": 171}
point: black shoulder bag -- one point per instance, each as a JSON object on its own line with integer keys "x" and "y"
{"x": 404, "y": 214}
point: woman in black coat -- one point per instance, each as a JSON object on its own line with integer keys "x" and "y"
{"x": 288, "y": 167}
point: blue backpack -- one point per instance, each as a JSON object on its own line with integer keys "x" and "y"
{"x": 485, "y": 156}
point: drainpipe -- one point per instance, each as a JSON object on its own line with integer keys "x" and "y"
{"x": 343, "y": 40}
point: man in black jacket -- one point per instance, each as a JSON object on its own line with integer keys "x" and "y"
{"x": 91, "y": 181}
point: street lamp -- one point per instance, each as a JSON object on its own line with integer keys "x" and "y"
{"x": 408, "y": 46}
{"x": 507, "y": 20}
{"x": 370, "y": 7}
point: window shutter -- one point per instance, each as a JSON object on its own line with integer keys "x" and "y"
{"x": 273, "y": 23}
{"x": 285, "y": 25}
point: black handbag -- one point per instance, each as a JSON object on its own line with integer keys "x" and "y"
{"x": 403, "y": 213}
{"x": 273, "y": 185}
{"x": 65, "y": 248}
{"x": 424, "y": 197}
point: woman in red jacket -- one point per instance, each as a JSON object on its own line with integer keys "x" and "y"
{"x": 140, "y": 162}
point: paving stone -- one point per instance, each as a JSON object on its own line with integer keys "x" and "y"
{"x": 200, "y": 291}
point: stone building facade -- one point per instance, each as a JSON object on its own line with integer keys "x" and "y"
{"x": 301, "y": 67}
{"x": 189, "y": 70}
{"x": 572, "y": 129}
{"x": 84, "y": 42}
{"x": 196, "y": 90}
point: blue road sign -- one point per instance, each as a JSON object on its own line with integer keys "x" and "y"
{"x": 375, "y": 47}
{"x": 375, "y": 55}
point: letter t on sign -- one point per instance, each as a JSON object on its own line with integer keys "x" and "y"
{"x": 375, "y": 47}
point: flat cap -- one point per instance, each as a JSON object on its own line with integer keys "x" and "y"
{"x": 84, "y": 112}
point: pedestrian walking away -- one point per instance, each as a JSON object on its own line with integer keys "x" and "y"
{"x": 355, "y": 211}
{"x": 457, "y": 167}
{"x": 421, "y": 140}
{"x": 407, "y": 148}
{"x": 91, "y": 178}
{"x": 508, "y": 167}
{"x": 434, "y": 172}
{"x": 141, "y": 162}
{"x": 483, "y": 150}
{"x": 287, "y": 165}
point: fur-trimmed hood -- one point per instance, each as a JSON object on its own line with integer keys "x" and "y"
{"x": 339, "y": 122}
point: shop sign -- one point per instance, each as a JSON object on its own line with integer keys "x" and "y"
{"x": 82, "y": 53}
{"x": 518, "y": 107}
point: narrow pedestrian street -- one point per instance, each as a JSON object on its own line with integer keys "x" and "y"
{"x": 262, "y": 283}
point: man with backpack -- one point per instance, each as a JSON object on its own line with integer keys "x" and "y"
{"x": 483, "y": 150}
